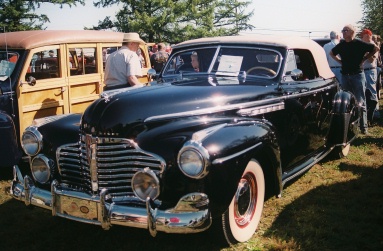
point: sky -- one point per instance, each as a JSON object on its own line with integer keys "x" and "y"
{"x": 306, "y": 18}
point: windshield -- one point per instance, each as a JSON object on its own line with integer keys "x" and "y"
{"x": 8, "y": 62}
{"x": 226, "y": 61}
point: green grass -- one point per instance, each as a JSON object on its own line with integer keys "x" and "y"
{"x": 337, "y": 205}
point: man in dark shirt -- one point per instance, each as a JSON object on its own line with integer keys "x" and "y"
{"x": 159, "y": 58}
{"x": 353, "y": 52}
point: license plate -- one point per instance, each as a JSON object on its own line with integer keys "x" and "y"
{"x": 79, "y": 208}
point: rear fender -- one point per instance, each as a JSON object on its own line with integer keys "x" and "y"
{"x": 344, "y": 119}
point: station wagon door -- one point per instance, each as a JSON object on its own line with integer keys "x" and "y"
{"x": 45, "y": 94}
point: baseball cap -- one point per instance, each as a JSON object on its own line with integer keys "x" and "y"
{"x": 366, "y": 32}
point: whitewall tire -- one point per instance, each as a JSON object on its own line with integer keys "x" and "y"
{"x": 241, "y": 219}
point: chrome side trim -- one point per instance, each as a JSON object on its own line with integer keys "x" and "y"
{"x": 253, "y": 111}
{"x": 198, "y": 112}
{"x": 221, "y": 160}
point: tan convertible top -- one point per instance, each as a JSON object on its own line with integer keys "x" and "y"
{"x": 288, "y": 42}
{"x": 32, "y": 39}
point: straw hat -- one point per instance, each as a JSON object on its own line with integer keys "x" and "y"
{"x": 132, "y": 37}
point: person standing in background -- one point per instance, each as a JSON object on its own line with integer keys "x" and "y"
{"x": 371, "y": 74}
{"x": 123, "y": 66}
{"x": 159, "y": 58}
{"x": 353, "y": 52}
{"x": 334, "y": 65}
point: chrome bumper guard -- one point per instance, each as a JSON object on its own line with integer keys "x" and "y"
{"x": 190, "y": 215}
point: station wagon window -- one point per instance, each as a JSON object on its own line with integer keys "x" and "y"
{"x": 8, "y": 62}
{"x": 106, "y": 51}
{"x": 44, "y": 65}
{"x": 82, "y": 61}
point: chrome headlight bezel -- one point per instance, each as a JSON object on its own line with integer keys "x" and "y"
{"x": 41, "y": 172}
{"x": 32, "y": 141}
{"x": 194, "y": 160}
{"x": 153, "y": 189}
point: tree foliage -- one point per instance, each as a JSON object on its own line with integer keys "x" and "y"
{"x": 177, "y": 20}
{"x": 373, "y": 16}
{"x": 18, "y": 15}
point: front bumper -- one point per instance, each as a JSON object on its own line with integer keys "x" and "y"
{"x": 190, "y": 215}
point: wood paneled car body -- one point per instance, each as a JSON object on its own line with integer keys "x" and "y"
{"x": 207, "y": 144}
{"x": 45, "y": 73}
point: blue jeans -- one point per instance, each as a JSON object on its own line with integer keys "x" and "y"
{"x": 371, "y": 77}
{"x": 337, "y": 74}
{"x": 356, "y": 84}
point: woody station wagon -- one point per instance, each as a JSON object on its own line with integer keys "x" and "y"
{"x": 230, "y": 122}
{"x": 44, "y": 73}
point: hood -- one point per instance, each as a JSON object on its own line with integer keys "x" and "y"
{"x": 133, "y": 108}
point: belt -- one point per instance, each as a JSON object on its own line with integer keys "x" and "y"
{"x": 351, "y": 73}
{"x": 371, "y": 68}
{"x": 335, "y": 66}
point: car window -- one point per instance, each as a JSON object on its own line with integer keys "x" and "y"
{"x": 82, "y": 61}
{"x": 255, "y": 62}
{"x": 228, "y": 61}
{"x": 44, "y": 64}
{"x": 8, "y": 62}
{"x": 191, "y": 61}
{"x": 305, "y": 63}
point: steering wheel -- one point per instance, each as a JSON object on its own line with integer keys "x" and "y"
{"x": 268, "y": 70}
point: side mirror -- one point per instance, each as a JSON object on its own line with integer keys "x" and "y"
{"x": 296, "y": 74}
{"x": 31, "y": 81}
{"x": 152, "y": 74}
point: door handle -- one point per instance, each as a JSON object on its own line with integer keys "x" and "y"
{"x": 63, "y": 89}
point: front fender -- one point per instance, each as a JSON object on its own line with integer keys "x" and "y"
{"x": 10, "y": 153}
{"x": 344, "y": 119}
{"x": 230, "y": 149}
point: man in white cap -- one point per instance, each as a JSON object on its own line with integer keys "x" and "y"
{"x": 334, "y": 65}
{"x": 123, "y": 66}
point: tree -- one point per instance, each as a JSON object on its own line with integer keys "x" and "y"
{"x": 373, "y": 16}
{"x": 18, "y": 15}
{"x": 177, "y": 20}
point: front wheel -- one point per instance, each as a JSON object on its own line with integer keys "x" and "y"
{"x": 241, "y": 219}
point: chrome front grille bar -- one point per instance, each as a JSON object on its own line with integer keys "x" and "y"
{"x": 96, "y": 163}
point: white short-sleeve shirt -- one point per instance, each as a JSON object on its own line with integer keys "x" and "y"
{"x": 120, "y": 65}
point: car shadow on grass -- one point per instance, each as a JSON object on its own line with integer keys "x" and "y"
{"x": 31, "y": 228}
{"x": 342, "y": 216}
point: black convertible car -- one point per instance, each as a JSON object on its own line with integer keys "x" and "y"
{"x": 231, "y": 120}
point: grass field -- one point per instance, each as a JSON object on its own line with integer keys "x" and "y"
{"x": 337, "y": 205}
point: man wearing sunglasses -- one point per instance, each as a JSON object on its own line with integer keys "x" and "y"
{"x": 353, "y": 53}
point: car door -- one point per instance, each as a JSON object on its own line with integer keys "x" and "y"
{"x": 306, "y": 118}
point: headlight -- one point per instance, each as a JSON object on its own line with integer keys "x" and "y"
{"x": 41, "y": 169}
{"x": 193, "y": 160}
{"x": 146, "y": 184}
{"x": 31, "y": 141}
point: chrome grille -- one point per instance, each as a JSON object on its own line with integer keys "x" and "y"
{"x": 96, "y": 163}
